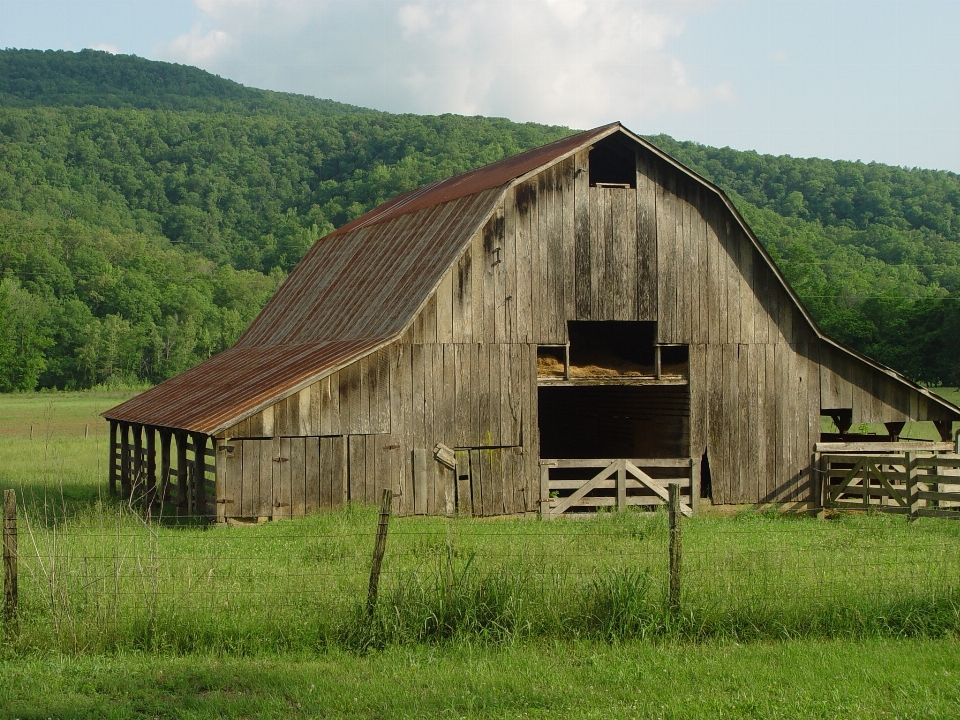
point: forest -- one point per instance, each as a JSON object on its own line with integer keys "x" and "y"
{"x": 148, "y": 210}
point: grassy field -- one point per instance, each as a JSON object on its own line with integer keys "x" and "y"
{"x": 861, "y": 680}
{"x": 504, "y": 618}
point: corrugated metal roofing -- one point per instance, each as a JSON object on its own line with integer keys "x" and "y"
{"x": 232, "y": 384}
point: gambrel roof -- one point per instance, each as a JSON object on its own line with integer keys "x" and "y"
{"x": 357, "y": 290}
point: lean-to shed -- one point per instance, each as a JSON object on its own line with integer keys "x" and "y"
{"x": 589, "y": 300}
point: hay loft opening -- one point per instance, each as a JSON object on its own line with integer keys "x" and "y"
{"x": 613, "y": 165}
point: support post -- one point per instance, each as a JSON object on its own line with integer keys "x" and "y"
{"x": 165, "y": 435}
{"x": 10, "y": 594}
{"x": 151, "y": 469}
{"x": 138, "y": 464}
{"x": 676, "y": 545}
{"x": 912, "y": 500}
{"x": 820, "y": 467}
{"x": 695, "y": 485}
{"x": 114, "y": 474}
{"x": 125, "y": 464}
{"x": 379, "y": 546}
{"x": 182, "y": 491}
{"x": 199, "y": 473}
{"x": 621, "y": 485}
{"x": 544, "y": 490}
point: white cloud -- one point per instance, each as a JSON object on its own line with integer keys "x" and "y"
{"x": 575, "y": 62}
{"x": 106, "y": 47}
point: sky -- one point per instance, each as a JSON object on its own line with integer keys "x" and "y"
{"x": 874, "y": 80}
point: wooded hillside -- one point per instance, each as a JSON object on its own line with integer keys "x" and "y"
{"x": 148, "y": 210}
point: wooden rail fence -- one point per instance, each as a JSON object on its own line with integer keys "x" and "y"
{"x": 911, "y": 483}
{"x": 618, "y": 483}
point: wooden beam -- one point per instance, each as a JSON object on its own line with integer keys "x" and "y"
{"x": 114, "y": 469}
{"x": 125, "y": 466}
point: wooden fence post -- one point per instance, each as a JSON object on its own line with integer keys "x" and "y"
{"x": 10, "y": 595}
{"x": 676, "y": 545}
{"x": 912, "y": 500}
{"x": 379, "y": 546}
{"x": 621, "y": 485}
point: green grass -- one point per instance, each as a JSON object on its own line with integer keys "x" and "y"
{"x": 791, "y": 679}
{"x": 124, "y": 616}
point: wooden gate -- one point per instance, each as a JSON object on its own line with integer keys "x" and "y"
{"x": 574, "y": 485}
{"x": 917, "y": 484}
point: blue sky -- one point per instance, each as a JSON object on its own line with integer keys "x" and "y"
{"x": 875, "y": 80}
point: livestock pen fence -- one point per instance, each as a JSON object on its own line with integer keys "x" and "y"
{"x": 110, "y": 577}
{"x": 918, "y": 481}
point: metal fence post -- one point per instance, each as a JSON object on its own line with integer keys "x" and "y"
{"x": 10, "y": 595}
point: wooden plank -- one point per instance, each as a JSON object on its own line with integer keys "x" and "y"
{"x": 583, "y": 289}
{"x": 429, "y": 437}
{"x": 521, "y": 209}
{"x": 746, "y": 446}
{"x": 566, "y": 177}
{"x": 464, "y": 497}
{"x": 604, "y": 462}
{"x": 646, "y": 216}
{"x": 528, "y": 220}
{"x": 421, "y": 481}
{"x": 509, "y": 268}
{"x": 513, "y": 368}
{"x": 496, "y": 263}
{"x": 404, "y": 435}
{"x": 481, "y": 384}
{"x": 684, "y": 278}
{"x": 463, "y": 297}
{"x": 341, "y": 478}
{"x": 298, "y": 457}
{"x": 444, "y": 297}
{"x": 747, "y": 292}
{"x": 597, "y": 259}
{"x": 611, "y": 483}
{"x": 356, "y": 468}
{"x": 325, "y": 472}
{"x": 429, "y": 316}
{"x": 477, "y": 277}
{"x": 764, "y": 468}
{"x": 545, "y": 320}
{"x": 463, "y": 400}
{"x": 243, "y": 473}
{"x": 490, "y": 270}
{"x": 490, "y": 355}
{"x": 282, "y": 495}
{"x": 476, "y": 482}
{"x": 529, "y": 429}
{"x": 506, "y": 422}
{"x": 373, "y": 449}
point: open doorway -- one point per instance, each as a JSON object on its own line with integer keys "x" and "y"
{"x": 614, "y": 421}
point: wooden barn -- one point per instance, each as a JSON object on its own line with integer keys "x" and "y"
{"x": 588, "y": 310}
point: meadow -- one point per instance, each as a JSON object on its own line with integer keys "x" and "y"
{"x": 120, "y": 613}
